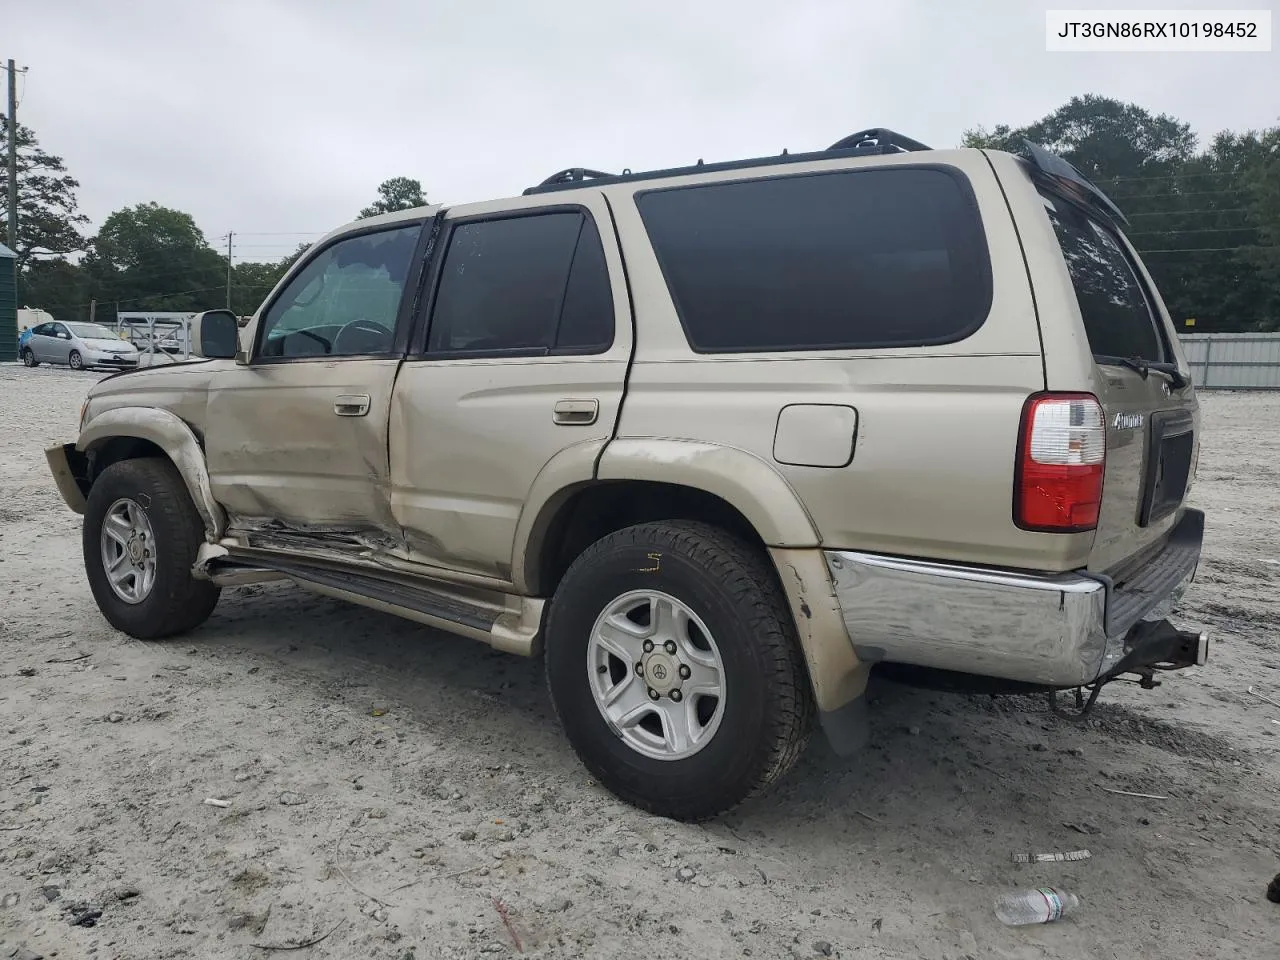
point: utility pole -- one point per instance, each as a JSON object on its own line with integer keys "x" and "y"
{"x": 93, "y": 310}
{"x": 13, "y": 156}
{"x": 230, "y": 234}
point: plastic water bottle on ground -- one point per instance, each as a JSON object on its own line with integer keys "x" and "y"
{"x": 1041, "y": 905}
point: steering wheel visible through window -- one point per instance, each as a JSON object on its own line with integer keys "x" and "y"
{"x": 344, "y": 301}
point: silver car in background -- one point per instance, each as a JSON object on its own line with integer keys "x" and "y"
{"x": 78, "y": 345}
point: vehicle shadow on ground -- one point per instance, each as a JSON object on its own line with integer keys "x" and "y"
{"x": 967, "y": 763}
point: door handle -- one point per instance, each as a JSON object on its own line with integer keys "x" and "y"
{"x": 351, "y": 404}
{"x": 576, "y": 413}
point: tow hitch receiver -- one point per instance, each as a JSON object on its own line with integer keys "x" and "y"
{"x": 1150, "y": 646}
{"x": 1159, "y": 645}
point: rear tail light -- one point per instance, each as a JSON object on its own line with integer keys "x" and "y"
{"x": 1061, "y": 457}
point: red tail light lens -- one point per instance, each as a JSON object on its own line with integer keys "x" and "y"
{"x": 1061, "y": 458}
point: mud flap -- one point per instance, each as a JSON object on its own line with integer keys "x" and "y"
{"x": 847, "y": 728}
{"x": 70, "y": 469}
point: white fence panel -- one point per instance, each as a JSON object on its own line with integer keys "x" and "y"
{"x": 1233, "y": 361}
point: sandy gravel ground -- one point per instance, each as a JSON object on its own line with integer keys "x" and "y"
{"x": 459, "y": 824}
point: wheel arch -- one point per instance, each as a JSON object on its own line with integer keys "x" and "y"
{"x": 654, "y": 480}
{"x": 126, "y": 433}
{"x": 746, "y": 493}
{"x": 581, "y": 514}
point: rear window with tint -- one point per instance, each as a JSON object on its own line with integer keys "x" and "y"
{"x": 856, "y": 259}
{"x": 1118, "y": 320}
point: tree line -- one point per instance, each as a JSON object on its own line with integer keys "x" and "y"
{"x": 1205, "y": 219}
{"x": 146, "y": 257}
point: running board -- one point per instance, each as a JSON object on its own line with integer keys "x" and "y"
{"x": 504, "y": 621}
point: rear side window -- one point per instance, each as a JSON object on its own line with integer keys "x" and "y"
{"x": 856, "y": 259}
{"x": 531, "y": 283}
{"x": 1118, "y": 319}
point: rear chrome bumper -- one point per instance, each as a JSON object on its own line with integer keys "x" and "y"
{"x": 1058, "y": 630}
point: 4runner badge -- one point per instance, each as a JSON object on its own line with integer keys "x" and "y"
{"x": 1127, "y": 421}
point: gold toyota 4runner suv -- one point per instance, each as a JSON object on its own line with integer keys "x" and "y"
{"x": 717, "y": 441}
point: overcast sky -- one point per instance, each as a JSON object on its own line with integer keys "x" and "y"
{"x": 281, "y": 117}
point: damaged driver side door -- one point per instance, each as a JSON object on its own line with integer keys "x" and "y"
{"x": 296, "y": 433}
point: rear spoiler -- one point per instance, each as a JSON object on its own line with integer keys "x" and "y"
{"x": 1063, "y": 175}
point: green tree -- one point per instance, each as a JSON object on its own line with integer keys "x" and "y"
{"x": 292, "y": 258}
{"x": 251, "y": 282}
{"x": 1262, "y": 185}
{"x": 56, "y": 285}
{"x": 398, "y": 193}
{"x": 149, "y": 257}
{"x": 49, "y": 221}
{"x": 1195, "y": 216}
{"x": 1101, "y": 136}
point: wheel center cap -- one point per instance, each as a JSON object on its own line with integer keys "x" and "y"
{"x": 135, "y": 551}
{"x": 661, "y": 671}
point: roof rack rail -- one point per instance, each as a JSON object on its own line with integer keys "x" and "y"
{"x": 873, "y": 141}
{"x": 574, "y": 175}
{"x": 887, "y": 141}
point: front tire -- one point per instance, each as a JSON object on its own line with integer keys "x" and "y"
{"x": 29, "y": 358}
{"x": 75, "y": 361}
{"x": 675, "y": 671}
{"x": 140, "y": 537}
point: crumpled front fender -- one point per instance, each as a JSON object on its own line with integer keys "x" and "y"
{"x": 172, "y": 435}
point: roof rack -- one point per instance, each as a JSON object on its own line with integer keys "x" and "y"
{"x": 574, "y": 175}
{"x": 880, "y": 138}
{"x": 877, "y": 140}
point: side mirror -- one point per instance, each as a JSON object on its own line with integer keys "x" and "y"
{"x": 215, "y": 335}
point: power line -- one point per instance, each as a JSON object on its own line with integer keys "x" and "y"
{"x": 1149, "y": 233}
{"x": 22, "y": 94}
{"x": 264, "y": 246}
{"x": 153, "y": 277}
{"x": 1171, "y": 176}
{"x": 1248, "y": 246}
{"x": 1188, "y": 213}
{"x": 1180, "y": 193}
{"x": 157, "y": 296}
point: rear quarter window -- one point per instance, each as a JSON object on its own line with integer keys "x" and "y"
{"x": 1118, "y": 318}
{"x": 854, "y": 259}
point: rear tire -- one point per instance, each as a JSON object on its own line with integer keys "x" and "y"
{"x": 151, "y": 520}
{"x": 29, "y": 358}
{"x": 75, "y": 361}
{"x": 735, "y": 626}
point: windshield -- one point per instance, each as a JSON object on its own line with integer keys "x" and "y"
{"x": 92, "y": 331}
{"x": 1118, "y": 320}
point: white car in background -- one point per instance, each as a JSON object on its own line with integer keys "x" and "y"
{"x": 78, "y": 345}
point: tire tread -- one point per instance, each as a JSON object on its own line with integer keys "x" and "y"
{"x": 750, "y": 584}
{"x": 178, "y": 602}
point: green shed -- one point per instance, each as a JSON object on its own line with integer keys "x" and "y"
{"x": 8, "y": 304}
